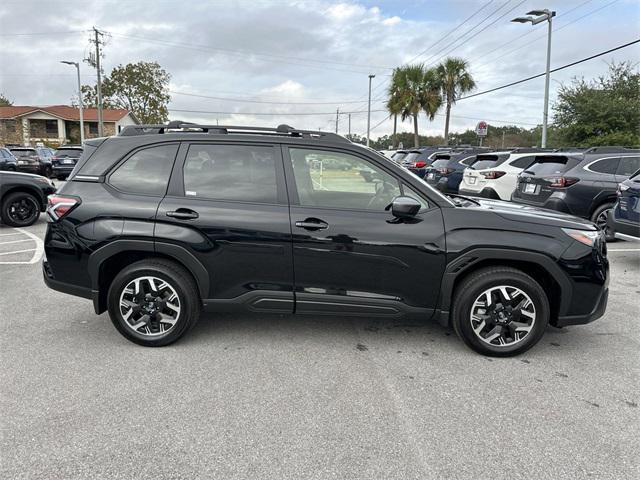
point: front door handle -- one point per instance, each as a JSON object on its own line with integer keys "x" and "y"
{"x": 183, "y": 214}
{"x": 312, "y": 224}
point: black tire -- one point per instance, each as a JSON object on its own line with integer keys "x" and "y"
{"x": 47, "y": 171}
{"x": 20, "y": 209}
{"x": 599, "y": 217}
{"x": 180, "y": 281}
{"x": 479, "y": 282}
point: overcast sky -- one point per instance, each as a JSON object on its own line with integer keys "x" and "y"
{"x": 294, "y": 53}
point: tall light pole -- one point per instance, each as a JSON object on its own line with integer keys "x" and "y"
{"x": 80, "y": 106}
{"x": 536, "y": 17}
{"x": 371, "y": 77}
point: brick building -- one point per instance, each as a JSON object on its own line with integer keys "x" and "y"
{"x": 58, "y": 124}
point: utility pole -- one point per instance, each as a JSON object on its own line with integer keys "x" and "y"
{"x": 371, "y": 77}
{"x": 503, "y": 139}
{"x": 337, "y": 118}
{"x": 349, "y": 126}
{"x": 95, "y": 62}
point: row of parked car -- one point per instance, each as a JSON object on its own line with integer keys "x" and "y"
{"x": 40, "y": 160}
{"x": 600, "y": 183}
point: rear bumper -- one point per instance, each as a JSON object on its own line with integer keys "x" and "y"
{"x": 551, "y": 203}
{"x": 484, "y": 193}
{"x": 597, "y": 312}
{"x": 52, "y": 283}
{"x": 420, "y": 172}
{"x": 62, "y": 169}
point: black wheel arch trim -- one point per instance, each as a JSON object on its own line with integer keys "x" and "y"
{"x": 461, "y": 264}
{"x": 178, "y": 253}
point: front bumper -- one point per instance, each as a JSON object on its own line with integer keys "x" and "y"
{"x": 597, "y": 312}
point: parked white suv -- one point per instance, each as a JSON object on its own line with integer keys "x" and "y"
{"x": 495, "y": 175}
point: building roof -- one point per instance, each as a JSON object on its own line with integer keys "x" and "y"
{"x": 65, "y": 112}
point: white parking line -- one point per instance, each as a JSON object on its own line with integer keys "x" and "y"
{"x": 7, "y": 234}
{"x": 38, "y": 250}
{"x": 18, "y": 251}
{"x": 16, "y": 241}
{"x": 623, "y": 250}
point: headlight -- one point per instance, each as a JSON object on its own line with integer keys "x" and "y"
{"x": 587, "y": 237}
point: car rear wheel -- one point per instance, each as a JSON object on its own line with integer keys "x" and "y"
{"x": 20, "y": 209}
{"x": 600, "y": 218}
{"x": 500, "y": 311}
{"x": 153, "y": 302}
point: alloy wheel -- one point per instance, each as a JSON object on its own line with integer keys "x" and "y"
{"x": 601, "y": 220}
{"x": 149, "y": 306}
{"x": 22, "y": 210}
{"x": 503, "y": 316}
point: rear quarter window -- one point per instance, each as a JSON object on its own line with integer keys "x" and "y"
{"x": 146, "y": 171}
{"x": 523, "y": 162}
{"x": 606, "y": 165}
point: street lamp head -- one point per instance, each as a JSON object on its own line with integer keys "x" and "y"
{"x": 372, "y": 75}
{"x": 75, "y": 64}
{"x": 537, "y": 13}
{"x": 522, "y": 19}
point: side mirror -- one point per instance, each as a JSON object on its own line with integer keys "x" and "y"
{"x": 404, "y": 207}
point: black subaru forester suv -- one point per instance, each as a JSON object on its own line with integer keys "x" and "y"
{"x": 164, "y": 221}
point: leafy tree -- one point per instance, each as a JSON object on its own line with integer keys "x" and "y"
{"x": 139, "y": 87}
{"x": 4, "y": 101}
{"x": 604, "y": 111}
{"x": 455, "y": 80}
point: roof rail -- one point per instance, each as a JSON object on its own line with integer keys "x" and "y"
{"x": 529, "y": 150}
{"x": 613, "y": 149}
{"x": 177, "y": 126}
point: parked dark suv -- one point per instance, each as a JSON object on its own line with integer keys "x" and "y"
{"x": 582, "y": 184}
{"x": 33, "y": 160}
{"x": 161, "y": 222}
{"x": 64, "y": 160}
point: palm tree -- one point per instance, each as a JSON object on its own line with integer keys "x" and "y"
{"x": 410, "y": 95}
{"x": 455, "y": 80}
{"x": 431, "y": 96}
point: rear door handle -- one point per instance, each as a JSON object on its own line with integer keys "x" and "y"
{"x": 183, "y": 214}
{"x": 312, "y": 224}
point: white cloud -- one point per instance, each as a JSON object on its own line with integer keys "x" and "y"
{"x": 303, "y": 51}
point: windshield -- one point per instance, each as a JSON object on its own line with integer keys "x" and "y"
{"x": 411, "y": 157}
{"x": 482, "y": 164}
{"x": 68, "y": 152}
{"x": 551, "y": 166}
{"x": 440, "y": 163}
{"x": 23, "y": 153}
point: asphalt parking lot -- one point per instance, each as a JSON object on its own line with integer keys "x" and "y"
{"x": 308, "y": 397}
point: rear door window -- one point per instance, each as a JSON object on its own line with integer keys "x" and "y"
{"x": 243, "y": 173}
{"x": 146, "y": 172}
{"x": 606, "y": 165}
{"x": 628, "y": 165}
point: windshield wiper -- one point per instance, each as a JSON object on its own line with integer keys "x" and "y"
{"x": 469, "y": 199}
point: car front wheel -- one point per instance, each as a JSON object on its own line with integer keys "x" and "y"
{"x": 153, "y": 302}
{"x": 500, "y": 311}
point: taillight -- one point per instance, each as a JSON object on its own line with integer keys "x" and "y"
{"x": 445, "y": 170}
{"x": 60, "y": 205}
{"x": 492, "y": 175}
{"x": 420, "y": 164}
{"x": 561, "y": 182}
